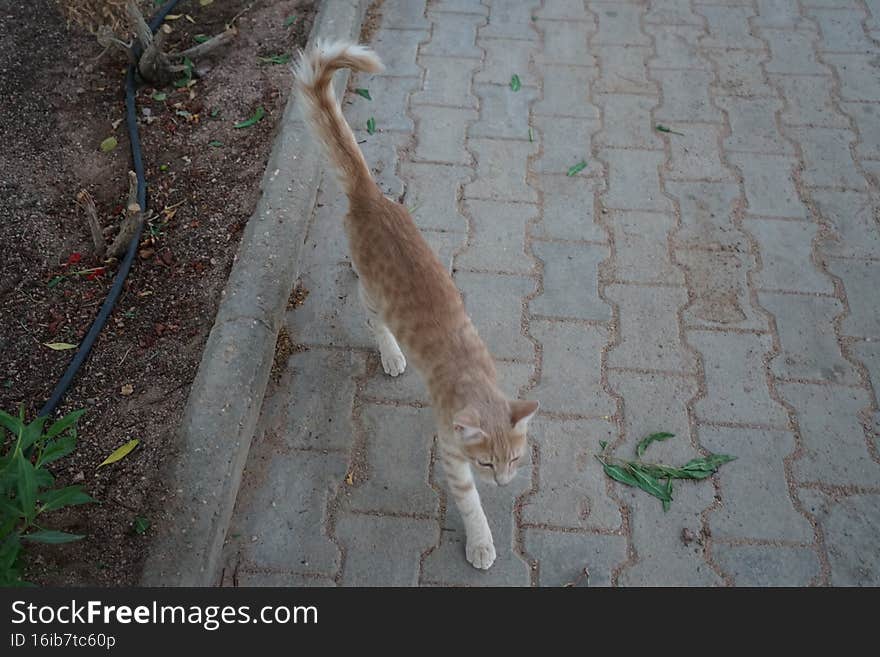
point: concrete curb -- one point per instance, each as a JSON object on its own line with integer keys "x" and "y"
{"x": 225, "y": 399}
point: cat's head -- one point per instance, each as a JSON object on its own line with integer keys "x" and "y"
{"x": 495, "y": 440}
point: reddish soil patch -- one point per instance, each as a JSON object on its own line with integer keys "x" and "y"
{"x": 203, "y": 183}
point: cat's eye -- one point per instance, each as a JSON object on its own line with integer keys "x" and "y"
{"x": 486, "y": 465}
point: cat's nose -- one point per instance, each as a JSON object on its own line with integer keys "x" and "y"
{"x": 505, "y": 478}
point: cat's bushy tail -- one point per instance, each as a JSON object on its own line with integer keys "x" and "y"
{"x": 314, "y": 74}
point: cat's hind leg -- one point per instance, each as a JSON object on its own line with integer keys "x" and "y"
{"x": 393, "y": 360}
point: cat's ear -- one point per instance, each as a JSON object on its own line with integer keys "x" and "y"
{"x": 466, "y": 424}
{"x": 521, "y": 413}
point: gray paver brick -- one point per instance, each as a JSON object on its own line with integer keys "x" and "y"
{"x": 504, "y": 113}
{"x": 627, "y": 122}
{"x": 809, "y": 101}
{"x": 569, "y": 208}
{"x": 563, "y": 10}
{"x": 618, "y": 24}
{"x": 674, "y": 12}
{"x": 504, "y": 57}
{"x": 696, "y": 154}
{"x": 494, "y": 303}
{"x": 851, "y": 526}
{"x": 570, "y": 281}
{"x": 501, "y": 170}
{"x": 663, "y": 559}
{"x": 858, "y": 76}
{"x": 792, "y": 53}
{"x": 769, "y": 185}
{"x": 753, "y": 125}
{"x": 728, "y": 27}
{"x": 432, "y": 194}
{"x": 860, "y": 282}
{"x": 762, "y": 565}
{"x": 372, "y": 559}
{"x": 661, "y": 405}
{"x": 806, "y": 332}
{"x": 404, "y": 14}
{"x": 564, "y": 556}
{"x": 497, "y": 237}
{"x": 398, "y": 444}
{"x": 454, "y": 35}
{"x": 566, "y": 142}
{"x": 321, "y": 389}
{"x": 459, "y": 6}
{"x": 827, "y": 160}
{"x": 332, "y": 314}
{"x": 398, "y": 50}
{"x": 634, "y": 181}
{"x": 570, "y": 377}
{"x": 280, "y": 519}
{"x": 676, "y": 47}
{"x": 841, "y": 31}
{"x": 736, "y": 385}
{"x": 786, "y": 248}
{"x": 571, "y": 485}
{"x": 685, "y": 98}
{"x": 867, "y": 119}
{"x": 566, "y": 91}
{"x": 648, "y": 328}
{"x": 447, "y": 82}
{"x": 441, "y": 133}
{"x": 568, "y": 44}
{"x": 642, "y": 251}
{"x": 869, "y": 354}
{"x": 758, "y": 506}
{"x": 778, "y": 13}
{"x": 389, "y": 95}
{"x": 623, "y": 71}
{"x": 707, "y": 212}
{"x": 832, "y": 437}
{"x": 719, "y": 285}
{"x": 741, "y": 75}
{"x": 511, "y": 19}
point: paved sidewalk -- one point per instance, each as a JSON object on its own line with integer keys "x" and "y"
{"x": 720, "y": 284}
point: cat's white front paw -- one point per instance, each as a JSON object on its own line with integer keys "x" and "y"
{"x": 393, "y": 361}
{"x": 481, "y": 554}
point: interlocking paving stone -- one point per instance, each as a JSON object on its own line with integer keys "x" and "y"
{"x": 570, "y": 378}
{"x": 766, "y": 565}
{"x": 851, "y": 526}
{"x": 719, "y": 284}
{"x": 571, "y": 487}
{"x": 570, "y": 281}
{"x": 835, "y": 448}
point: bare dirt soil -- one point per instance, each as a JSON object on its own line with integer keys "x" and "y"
{"x": 60, "y": 101}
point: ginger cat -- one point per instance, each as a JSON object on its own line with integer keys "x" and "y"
{"x": 411, "y": 300}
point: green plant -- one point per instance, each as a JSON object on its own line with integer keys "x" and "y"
{"x": 26, "y": 486}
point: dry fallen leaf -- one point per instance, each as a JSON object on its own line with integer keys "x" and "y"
{"x": 349, "y": 479}
{"x": 59, "y": 346}
{"x": 127, "y": 389}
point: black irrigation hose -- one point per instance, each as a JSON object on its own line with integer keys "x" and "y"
{"x": 113, "y": 295}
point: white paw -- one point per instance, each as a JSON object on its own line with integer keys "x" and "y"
{"x": 393, "y": 361}
{"x": 481, "y": 554}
